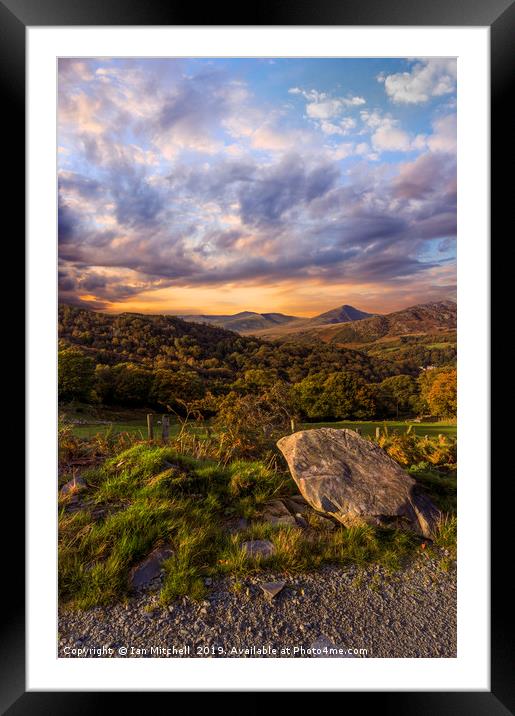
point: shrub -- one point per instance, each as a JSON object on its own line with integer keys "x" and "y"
{"x": 408, "y": 449}
{"x": 250, "y": 425}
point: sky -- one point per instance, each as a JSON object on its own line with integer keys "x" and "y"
{"x": 221, "y": 185}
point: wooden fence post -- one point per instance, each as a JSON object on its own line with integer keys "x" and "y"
{"x": 150, "y": 426}
{"x": 292, "y": 424}
{"x": 358, "y": 430}
{"x": 378, "y": 433}
{"x": 165, "y": 433}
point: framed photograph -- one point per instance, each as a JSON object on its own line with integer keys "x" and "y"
{"x": 258, "y": 452}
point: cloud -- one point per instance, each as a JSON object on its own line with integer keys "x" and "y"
{"x": 137, "y": 202}
{"x": 281, "y": 188}
{"x": 389, "y": 138}
{"x": 177, "y": 178}
{"x": 387, "y": 135}
{"x": 322, "y": 107}
{"x": 343, "y": 127}
{"x": 425, "y": 175}
{"x": 444, "y": 135}
{"x": 425, "y": 80}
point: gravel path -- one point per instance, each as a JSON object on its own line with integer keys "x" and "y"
{"x": 326, "y": 613}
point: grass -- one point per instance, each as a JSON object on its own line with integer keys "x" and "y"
{"x": 440, "y": 484}
{"x": 138, "y": 427}
{"x": 368, "y": 428}
{"x": 153, "y": 495}
{"x": 134, "y": 422}
{"x": 149, "y": 495}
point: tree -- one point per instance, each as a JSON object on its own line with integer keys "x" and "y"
{"x": 398, "y": 395}
{"x": 438, "y": 390}
{"x": 76, "y": 373}
{"x": 310, "y": 396}
{"x": 348, "y": 397}
{"x": 257, "y": 380}
{"x": 365, "y": 404}
{"x": 105, "y": 381}
{"x": 442, "y": 396}
{"x": 131, "y": 384}
{"x": 341, "y": 396}
{"x": 170, "y": 386}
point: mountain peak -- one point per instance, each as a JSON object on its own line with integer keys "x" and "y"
{"x": 342, "y": 314}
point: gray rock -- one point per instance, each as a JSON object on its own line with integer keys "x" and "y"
{"x": 277, "y": 513}
{"x": 284, "y": 521}
{"x": 272, "y": 589}
{"x": 150, "y": 568}
{"x": 275, "y": 508}
{"x": 301, "y": 521}
{"x": 259, "y": 548}
{"x": 237, "y": 524}
{"x": 355, "y": 481}
{"x": 296, "y": 504}
{"x": 323, "y": 522}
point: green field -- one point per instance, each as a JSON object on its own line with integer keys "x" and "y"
{"x": 139, "y": 425}
{"x": 369, "y": 427}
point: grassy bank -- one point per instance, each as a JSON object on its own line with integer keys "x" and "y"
{"x": 141, "y": 495}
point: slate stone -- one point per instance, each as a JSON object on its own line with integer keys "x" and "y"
{"x": 355, "y": 481}
{"x": 259, "y": 548}
{"x": 272, "y": 589}
{"x": 150, "y": 568}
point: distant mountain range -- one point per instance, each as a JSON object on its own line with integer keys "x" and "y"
{"x": 435, "y": 318}
{"x": 249, "y": 322}
{"x": 343, "y": 325}
{"x": 244, "y": 322}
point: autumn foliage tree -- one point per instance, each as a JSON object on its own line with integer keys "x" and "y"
{"x": 439, "y": 390}
{"x": 443, "y": 395}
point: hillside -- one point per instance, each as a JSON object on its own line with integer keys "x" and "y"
{"x": 428, "y": 318}
{"x": 216, "y": 355}
{"x": 422, "y": 319}
{"x": 274, "y": 325}
{"x": 245, "y": 322}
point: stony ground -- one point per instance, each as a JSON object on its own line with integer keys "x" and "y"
{"x": 328, "y": 613}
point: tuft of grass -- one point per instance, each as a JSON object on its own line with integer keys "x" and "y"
{"x": 95, "y": 560}
{"x": 445, "y": 538}
{"x": 440, "y": 485}
{"x": 253, "y": 477}
{"x": 446, "y": 532}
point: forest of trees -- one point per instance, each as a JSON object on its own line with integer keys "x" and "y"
{"x": 160, "y": 361}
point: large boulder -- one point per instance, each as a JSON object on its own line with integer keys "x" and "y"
{"x": 354, "y": 480}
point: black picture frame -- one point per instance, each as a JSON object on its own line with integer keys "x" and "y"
{"x": 499, "y": 15}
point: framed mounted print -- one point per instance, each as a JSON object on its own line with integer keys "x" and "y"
{"x": 258, "y": 326}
